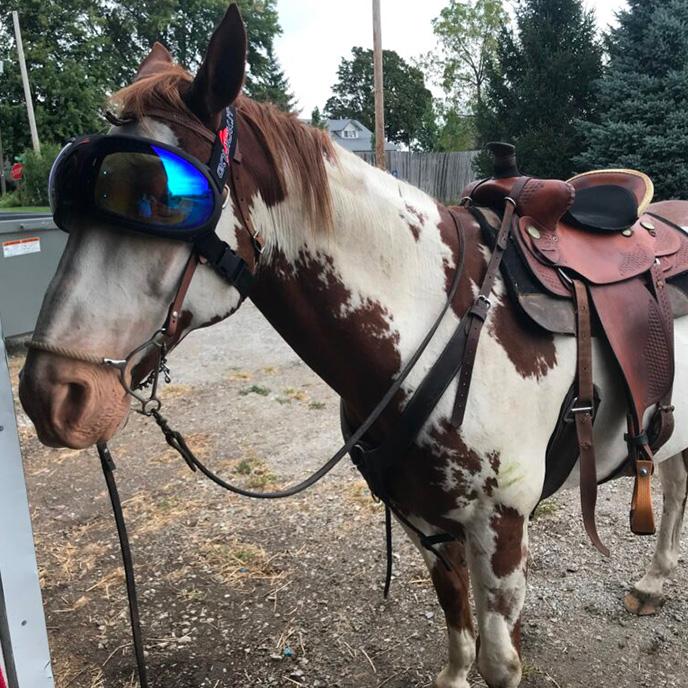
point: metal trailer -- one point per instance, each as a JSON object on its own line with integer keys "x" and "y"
{"x": 24, "y": 653}
{"x": 31, "y": 247}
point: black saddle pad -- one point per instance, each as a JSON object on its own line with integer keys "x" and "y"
{"x": 606, "y": 207}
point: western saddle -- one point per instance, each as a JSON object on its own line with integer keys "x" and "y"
{"x": 584, "y": 257}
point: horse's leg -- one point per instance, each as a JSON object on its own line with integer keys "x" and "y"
{"x": 497, "y": 551}
{"x": 451, "y": 587}
{"x": 647, "y": 594}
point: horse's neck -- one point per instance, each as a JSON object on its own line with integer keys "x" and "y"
{"x": 354, "y": 303}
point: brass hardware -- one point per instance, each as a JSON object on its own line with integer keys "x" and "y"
{"x": 533, "y": 231}
{"x": 648, "y": 225}
{"x": 627, "y": 232}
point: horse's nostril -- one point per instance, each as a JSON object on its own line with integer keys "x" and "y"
{"x": 77, "y": 395}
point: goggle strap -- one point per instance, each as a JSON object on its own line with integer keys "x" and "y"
{"x": 225, "y": 261}
{"x": 224, "y": 148}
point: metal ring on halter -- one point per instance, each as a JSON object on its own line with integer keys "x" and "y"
{"x": 152, "y": 403}
{"x": 224, "y": 203}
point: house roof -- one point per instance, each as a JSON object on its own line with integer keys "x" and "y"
{"x": 364, "y": 141}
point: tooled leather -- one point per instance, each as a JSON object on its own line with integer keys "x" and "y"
{"x": 599, "y": 257}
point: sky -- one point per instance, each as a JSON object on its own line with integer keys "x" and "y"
{"x": 318, "y": 33}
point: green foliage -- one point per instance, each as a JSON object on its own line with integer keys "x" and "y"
{"x": 408, "y": 102}
{"x": 457, "y": 132}
{"x": 80, "y": 51}
{"x": 467, "y": 33}
{"x": 541, "y": 84}
{"x": 643, "y": 97}
{"x": 10, "y": 200}
{"x": 33, "y": 186}
{"x": 317, "y": 120}
{"x": 274, "y": 86}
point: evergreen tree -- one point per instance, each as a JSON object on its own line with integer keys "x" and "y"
{"x": 274, "y": 86}
{"x": 643, "y": 97}
{"x": 317, "y": 120}
{"x": 541, "y": 84}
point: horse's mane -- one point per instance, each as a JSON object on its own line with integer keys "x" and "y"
{"x": 291, "y": 144}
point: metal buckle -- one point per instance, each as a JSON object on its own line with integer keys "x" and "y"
{"x": 574, "y": 410}
{"x": 485, "y": 300}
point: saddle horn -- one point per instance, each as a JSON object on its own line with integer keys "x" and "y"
{"x": 504, "y": 156}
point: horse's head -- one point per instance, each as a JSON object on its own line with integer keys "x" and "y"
{"x": 113, "y": 288}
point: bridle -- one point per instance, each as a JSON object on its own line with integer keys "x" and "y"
{"x": 229, "y": 264}
{"x": 225, "y": 260}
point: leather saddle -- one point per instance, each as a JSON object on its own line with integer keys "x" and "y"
{"x": 594, "y": 261}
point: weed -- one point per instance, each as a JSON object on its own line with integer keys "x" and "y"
{"x": 244, "y": 467}
{"x": 317, "y": 405}
{"x": 545, "y": 509}
{"x": 255, "y": 389}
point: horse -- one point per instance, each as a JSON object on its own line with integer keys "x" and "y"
{"x": 355, "y": 268}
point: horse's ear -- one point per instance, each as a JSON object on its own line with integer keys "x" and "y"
{"x": 158, "y": 57}
{"x": 221, "y": 76}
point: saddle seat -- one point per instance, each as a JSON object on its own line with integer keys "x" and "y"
{"x": 609, "y": 200}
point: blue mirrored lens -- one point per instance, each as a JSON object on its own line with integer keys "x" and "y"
{"x": 156, "y": 189}
{"x": 183, "y": 179}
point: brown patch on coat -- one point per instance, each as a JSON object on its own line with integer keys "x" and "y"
{"x": 294, "y": 298}
{"x": 415, "y": 229}
{"x": 452, "y": 587}
{"x": 421, "y": 217}
{"x": 530, "y": 348}
{"x": 507, "y": 525}
{"x": 503, "y": 602}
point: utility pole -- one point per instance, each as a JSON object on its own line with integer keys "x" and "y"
{"x": 378, "y": 84}
{"x": 25, "y": 80}
{"x": 3, "y": 185}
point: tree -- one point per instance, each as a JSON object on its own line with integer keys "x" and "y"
{"x": 643, "y": 97}
{"x": 467, "y": 31}
{"x": 184, "y": 27}
{"x": 456, "y": 133}
{"x": 69, "y": 66}
{"x": 407, "y": 100}
{"x": 317, "y": 119}
{"x": 80, "y": 51}
{"x": 274, "y": 86}
{"x": 541, "y": 83}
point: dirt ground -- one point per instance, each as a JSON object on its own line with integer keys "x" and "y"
{"x": 236, "y": 592}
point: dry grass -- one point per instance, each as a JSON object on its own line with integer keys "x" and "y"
{"x": 174, "y": 391}
{"x": 239, "y": 377}
{"x": 200, "y": 443}
{"x": 234, "y": 562}
{"x": 358, "y": 493}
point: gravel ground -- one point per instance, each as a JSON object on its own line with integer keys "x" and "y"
{"x": 236, "y": 592}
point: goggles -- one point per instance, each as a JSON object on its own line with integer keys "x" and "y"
{"x": 139, "y": 184}
{"x": 153, "y": 188}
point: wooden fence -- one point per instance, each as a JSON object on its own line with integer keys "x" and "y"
{"x": 442, "y": 175}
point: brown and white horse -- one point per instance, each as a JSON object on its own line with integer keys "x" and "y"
{"x": 355, "y": 270}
